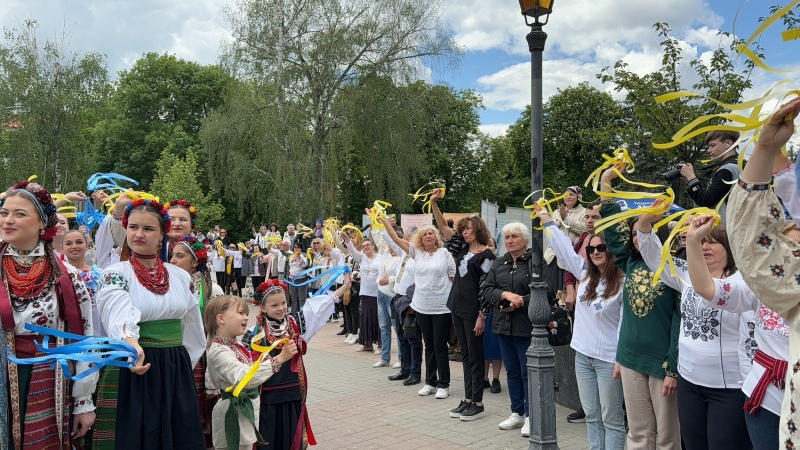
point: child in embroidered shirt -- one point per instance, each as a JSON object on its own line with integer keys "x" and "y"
{"x": 284, "y": 420}
{"x": 227, "y": 364}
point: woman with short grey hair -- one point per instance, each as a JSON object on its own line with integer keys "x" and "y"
{"x": 507, "y": 288}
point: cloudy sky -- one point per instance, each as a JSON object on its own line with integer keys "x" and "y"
{"x": 584, "y": 37}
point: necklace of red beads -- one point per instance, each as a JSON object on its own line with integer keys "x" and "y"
{"x": 155, "y": 279}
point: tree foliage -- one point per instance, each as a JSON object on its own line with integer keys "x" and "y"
{"x": 306, "y": 54}
{"x": 49, "y": 99}
{"x": 177, "y": 178}
{"x": 158, "y": 104}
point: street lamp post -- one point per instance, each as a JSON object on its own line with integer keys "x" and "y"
{"x": 540, "y": 355}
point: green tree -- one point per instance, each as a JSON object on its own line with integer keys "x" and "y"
{"x": 651, "y": 122}
{"x": 159, "y": 103}
{"x": 177, "y": 178}
{"x": 49, "y": 98}
{"x": 306, "y": 54}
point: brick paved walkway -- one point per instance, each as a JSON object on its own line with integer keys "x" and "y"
{"x": 353, "y": 406}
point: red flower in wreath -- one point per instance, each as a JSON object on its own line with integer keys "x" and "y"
{"x": 44, "y": 206}
{"x": 270, "y": 286}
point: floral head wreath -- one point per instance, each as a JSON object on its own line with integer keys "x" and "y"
{"x": 270, "y": 286}
{"x": 147, "y": 202}
{"x": 43, "y": 202}
{"x": 198, "y": 250}
{"x": 185, "y": 205}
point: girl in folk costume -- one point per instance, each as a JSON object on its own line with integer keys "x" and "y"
{"x": 37, "y": 288}
{"x": 149, "y": 304}
{"x": 184, "y": 221}
{"x": 191, "y": 255}
{"x": 75, "y": 244}
{"x": 284, "y": 423}
{"x": 236, "y": 416}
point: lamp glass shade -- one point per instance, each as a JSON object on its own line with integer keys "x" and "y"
{"x": 536, "y": 8}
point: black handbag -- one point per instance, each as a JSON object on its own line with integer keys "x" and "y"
{"x": 559, "y": 328}
{"x": 410, "y": 329}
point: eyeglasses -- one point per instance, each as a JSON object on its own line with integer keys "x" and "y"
{"x": 599, "y": 247}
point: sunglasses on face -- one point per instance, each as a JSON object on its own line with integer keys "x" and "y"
{"x": 599, "y": 247}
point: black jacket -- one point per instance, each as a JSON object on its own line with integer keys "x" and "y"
{"x": 721, "y": 175}
{"x": 508, "y": 275}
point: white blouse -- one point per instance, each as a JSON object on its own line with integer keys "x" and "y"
{"x": 124, "y": 303}
{"x": 432, "y": 274}
{"x": 597, "y": 321}
{"x": 45, "y": 313}
{"x": 388, "y": 269}
{"x": 368, "y": 271}
{"x": 104, "y": 243}
{"x": 709, "y": 338}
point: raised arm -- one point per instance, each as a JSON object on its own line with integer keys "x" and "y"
{"x": 774, "y": 135}
{"x": 733, "y": 295}
{"x": 561, "y": 245}
{"x": 395, "y": 238}
{"x": 447, "y": 232}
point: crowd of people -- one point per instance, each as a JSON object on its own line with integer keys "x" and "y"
{"x": 697, "y": 360}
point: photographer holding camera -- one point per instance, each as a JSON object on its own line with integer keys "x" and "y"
{"x": 723, "y": 171}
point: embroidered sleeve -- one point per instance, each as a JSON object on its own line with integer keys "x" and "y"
{"x": 83, "y": 389}
{"x": 120, "y": 318}
{"x": 650, "y": 248}
{"x": 734, "y": 296}
{"x": 768, "y": 261}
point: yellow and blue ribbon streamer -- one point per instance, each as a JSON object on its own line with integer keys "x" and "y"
{"x": 108, "y": 181}
{"x": 237, "y": 389}
{"x": 98, "y": 352}
{"x": 89, "y": 217}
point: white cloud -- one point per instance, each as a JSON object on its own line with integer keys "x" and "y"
{"x": 495, "y": 129}
{"x": 124, "y": 30}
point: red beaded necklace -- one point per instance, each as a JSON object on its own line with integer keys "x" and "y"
{"x": 155, "y": 279}
{"x": 27, "y": 282}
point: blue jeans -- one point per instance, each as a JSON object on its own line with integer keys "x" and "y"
{"x": 601, "y": 399}
{"x": 763, "y": 428}
{"x": 385, "y": 322}
{"x": 513, "y": 349}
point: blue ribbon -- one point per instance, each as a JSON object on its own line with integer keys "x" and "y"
{"x": 107, "y": 181}
{"x": 93, "y": 276}
{"x": 89, "y": 217}
{"x": 334, "y": 273}
{"x": 96, "y": 351}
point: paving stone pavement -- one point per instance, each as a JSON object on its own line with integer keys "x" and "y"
{"x": 353, "y": 406}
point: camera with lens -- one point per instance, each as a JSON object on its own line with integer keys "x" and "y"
{"x": 674, "y": 174}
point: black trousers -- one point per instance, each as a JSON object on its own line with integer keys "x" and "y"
{"x": 435, "y": 332}
{"x": 352, "y": 316}
{"x": 257, "y": 280}
{"x": 711, "y": 418}
{"x": 471, "y": 357}
{"x": 229, "y": 279}
{"x": 412, "y": 353}
{"x": 221, "y": 279}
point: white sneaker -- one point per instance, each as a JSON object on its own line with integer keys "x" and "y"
{"x": 427, "y": 390}
{"x": 526, "y": 429}
{"x": 397, "y": 365}
{"x": 352, "y": 339}
{"x": 442, "y": 393}
{"x": 347, "y": 339}
{"x": 513, "y": 421}
{"x": 380, "y": 363}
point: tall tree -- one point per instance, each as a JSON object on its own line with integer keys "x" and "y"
{"x": 309, "y": 51}
{"x": 49, "y": 97}
{"x": 158, "y": 104}
{"x": 177, "y": 178}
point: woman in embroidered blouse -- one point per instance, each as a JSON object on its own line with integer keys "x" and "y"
{"x": 150, "y": 305}
{"x": 769, "y": 261}
{"x": 434, "y": 270}
{"x": 183, "y": 217}
{"x": 28, "y": 294}
{"x": 468, "y": 246}
{"x": 647, "y": 352}
{"x": 297, "y": 264}
{"x": 369, "y": 262}
{"x": 75, "y": 245}
{"x": 598, "y": 313}
{"x": 570, "y": 219}
{"x": 709, "y": 390}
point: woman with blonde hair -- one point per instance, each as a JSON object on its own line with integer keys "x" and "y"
{"x": 434, "y": 271}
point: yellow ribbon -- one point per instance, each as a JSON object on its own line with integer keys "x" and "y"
{"x": 57, "y": 197}
{"x": 237, "y": 389}
{"x": 242, "y": 247}
{"x": 310, "y": 255}
{"x": 425, "y": 197}
{"x": 668, "y": 196}
{"x": 32, "y": 177}
{"x": 276, "y": 240}
{"x": 620, "y": 156}
{"x": 302, "y": 229}
{"x": 377, "y": 213}
{"x": 220, "y": 248}
{"x": 543, "y": 202}
{"x": 331, "y": 226}
{"x": 355, "y": 228}
{"x": 256, "y": 255}
{"x": 682, "y": 217}
{"x": 67, "y": 211}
